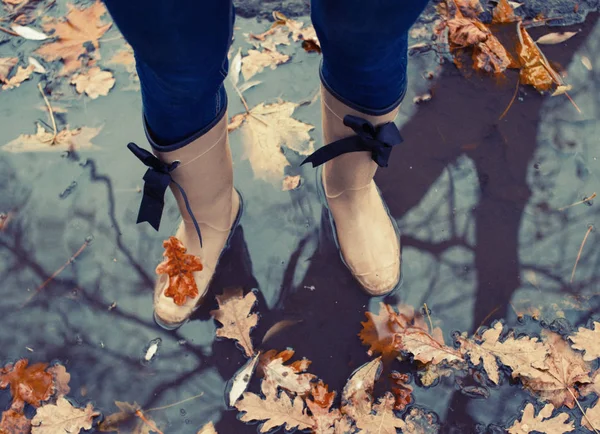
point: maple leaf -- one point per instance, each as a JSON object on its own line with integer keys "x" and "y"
{"x": 79, "y": 28}
{"x": 543, "y": 422}
{"x": 62, "y": 417}
{"x": 20, "y": 76}
{"x": 14, "y": 422}
{"x": 6, "y": 65}
{"x": 234, "y": 314}
{"x": 425, "y": 348}
{"x": 275, "y": 410}
{"x": 30, "y": 384}
{"x": 43, "y": 140}
{"x": 522, "y": 354}
{"x": 128, "y": 420}
{"x": 320, "y": 407}
{"x": 256, "y": 61}
{"x": 381, "y": 420}
{"x": 564, "y": 370}
{"x": 289, "y": 377}
{"x": 265, "y": 129}
{"x": 209, "y": 428}
{"x": 588, "y": 341}
{"x": 61, "y": 379}
{"x": 593, "y": 386}
{"x": 180, "y": 267}
{"x": 94, "y": 82}
{"x": 401, "y": 390}
{"x": 591, "y": 420}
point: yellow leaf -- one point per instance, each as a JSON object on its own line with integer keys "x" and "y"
{"x": 94, "y": 82}
{"x": 20, "y": 76}
{"x": 543, "y": 422}
{"x": 256, "y": 61}
{"x": 592, "y": 417}
{"x": 588, "y": 341}
{"x": 41, "y": 141}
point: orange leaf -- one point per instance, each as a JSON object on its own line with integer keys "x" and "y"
{"x": 80, "y": 27}
{"x": 535, "y": 69}
{"x": 234, "y": 314}
{"x": 401, "y": 390}
{"x": 32, "y": 384}
{"x": 290, "y": 377}
{"x": 180, "y": 267}
{"x": 504, "y": 13}
{"x": 14, "y": 422}
{"x": 320, "y": 408}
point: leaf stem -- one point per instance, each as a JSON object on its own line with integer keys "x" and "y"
{"x": 593, "y": 196}
{"x": 582, "y": 412}
{"x": 510, "y": 104}
{"x": 10, "y": 32}
{"x": 428, "y": 316}
{"x": 55, "y": 132}
{"x": 580, "y": 250}
{"x": 175, "y": 403}
{"x": 139, "y": 414}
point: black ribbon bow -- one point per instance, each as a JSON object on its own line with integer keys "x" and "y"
{"x": 157, "y": 179}
{"x": 379, "y": 140}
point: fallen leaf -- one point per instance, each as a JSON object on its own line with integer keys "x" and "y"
{"x": 234, "y": 314}
{"x": 180, "y": 267}
{"x": 41, "y": 141}
{"x": 431, "y": 373}
{"x": 561, "y": 90}
{"x": 521, "y": 354}
{"x": 504, "y": 13}
{"x": 555, "y": 38}
{"x": 425, "y": 348}
{"x": 6, "y": 65}
{"x": 275, "y": 409}
{"x": 587, "y": 341}
{"x": 587, "y": 63}
{"x": 94, "y": 82}
{"x": 291, "y": 183}
{"x": 241, "y": 380}
{"x": 357, "y": 397}
{"x": 209, "y": 428}
{"x": 256, "y": 61}
{"x": 278, "y": 327}
{"x": 289, "y": 377}
{"x": 61, "y": 379}
{"x": 543, "y": 422}
{"x": 593, "y": 387}
{"x": 236, "y": 67}
{"x": 80, "y": 28}
{"x": 379, "y": 331}
{"x": 30, "y": 384}
{"x": 28, "y": 33}
{"x": 265, "y": 129}
{"x": 535, "y": 69}
{"x": 124, "y": 57}
{"x": 14, "y": 422}
{"x": 381, "y": 420}
{"x": 248, "y": 85}
{"x": 271, "y": 38}
{"x": 591, "y": 421}
{"x": 62, "y": 417}
{"x": 465, "y": 32}
{"x": 128, "y": 420}
{"x": 320, "y": 405}
{"x": 401, "y": 390}
{"x": 491, "y": 57}
{"x": 37, "y": 66}
{"x": 20, "y": 76}
{"x": 418, "y": 421}
{"x": 565, "y": 369}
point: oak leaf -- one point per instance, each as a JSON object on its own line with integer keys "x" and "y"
{"x": 275, "y": 409}
{"x": 62, "y": 417}
{"x": 564, "y": 370}
{"x": 6, "y": 65}
{"x": 379, "y": 331}
{"x": 234, "y": 314}
{"x": 425, "y": 348}
{"x": 180, "y": 268}
{"x": 256, "y": 61}
{"x": 320, "y": 407}
{"x": 61, "y": 379}
{"x": 128, "y": 420}
{"x": 521, "y": 354}
{"x": 14, "y": 422}
{"x": 290, "y": 377}
{"x": 418, "y": 421}
{"x": 20, "y": 76}
{"x": 265, "y": 130}
{"x": 543, "y": 422}
{"x": 401, "y": 390}
{"x": 591, "y": 421}
{"x": 80, "y": 28}
{"x": 381, "y": 420}
{"x": 30, "y": 384}
{"x": 43, "y": 140}
{"x": 357, "y": 399}
{"x": 94, "y": 82}
{"x": 587, "y": 340}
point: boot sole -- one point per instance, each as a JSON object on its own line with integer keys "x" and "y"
{"x": 236, "y": 222}
{"x": 323, "y": 199}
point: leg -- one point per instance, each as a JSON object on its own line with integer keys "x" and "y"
{"x": 363, "y": 74}
{"x": 182, "y": 64}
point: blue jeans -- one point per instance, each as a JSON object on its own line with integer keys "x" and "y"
{"x": 181, "y": 55}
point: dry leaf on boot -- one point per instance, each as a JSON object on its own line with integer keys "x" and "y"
{"x": 79, "y": 28}
{"x": 275, "y": 410}
{"x": 43, "y": 140}
{"x": 20, "y": 76}
{"x": 30, "y": 384}
{"x": 180, "y": 268}
{"x": 588, "y": 341}
{"x": 94, "y": 82}
{"x": 6, "y": 65}
{"x": 543, "y": 422}
{"x": 14, "y": 422}
{"x": 234, "y": 314}
{"x": 62, "y": 417}
{"x": 256, "y": 61}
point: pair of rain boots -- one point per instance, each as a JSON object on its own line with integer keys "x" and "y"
{"x": 200, "y": 175}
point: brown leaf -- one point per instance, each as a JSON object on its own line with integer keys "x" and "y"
{"x": 379, "y": 331}
{"x": 42, "y": 141}
{"x": 275, "y": 409}
{"x": 289, "y": 377}
{"x": 425, "y": 348}
{"x": 94, "y": 82}
{"x": 6, "y": 65}
{"x": 565, "y": 369}
{"x": 470, "y": 8}
{"x": 491, "y": 57}
{"x": 61, "y": 379}
{"x": 382, "y": 419}
{"x": 62, "y": 417}
{"x": 535, "y": 69}
{"x": 543, "y": 422}
{"x": 290, "y": 183}
{"x": 418, "y": 421}
{"x": 588, "y": 341}
{"x": 320, "y": 407}
{"x": 431, "y": 373}
{"x": 401, "y": 390}
{"x": 234, "y": 314}
{"x": 209, "y": 428}
{"x": 592, "y": 418}
{"x": 504, "y": 13}
{"x": 593, "y": 387}
{"x": 30, "y": 384}
{"x": 464, "y": 32}
{"x": 270, "y": 39}
{"x": 357, "y": 400}
{"x": 20, "y": 76}
{"x": 79, "y": 28}
{"x": 555, "y": 38}
{"x": 256, "y": 61}
{"x": 522, "y": 355}
{"x": 180, "y": 267}
{"x": 14, "y": 422}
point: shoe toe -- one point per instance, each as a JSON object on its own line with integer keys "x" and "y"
{"x": 381, "y": 281}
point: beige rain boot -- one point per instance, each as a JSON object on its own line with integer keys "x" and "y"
{"x": 204, "y": 172}
{"x": 366, "y": 233}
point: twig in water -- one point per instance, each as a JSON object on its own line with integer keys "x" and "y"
{"x": 587, "y": 199}
{"x": 582, "y": 412}
{"x": 428, "y": 316}
{"x": 580, "y": 250}
{"x": 573, "y": 102}
{"x": 511, "y": 101}
{"x": 139, "y": 414}
{"x": 175, "y": 403}
{"x": 10, "y": 32}
{"x": 55, "y": 132}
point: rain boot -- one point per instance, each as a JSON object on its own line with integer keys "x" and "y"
{"x": 366, "y": 234}
{"x": 200, "y": 174}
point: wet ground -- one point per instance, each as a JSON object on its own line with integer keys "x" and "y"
{"x": 478, "y": 200}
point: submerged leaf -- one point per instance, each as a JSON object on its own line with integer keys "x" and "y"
{"x": 588, "y": 341}
{"x": 61, "y": 379}
{"x": 43, "y": 141}
{"x": 592, "y": 418}
{"x": 30, "y": 384}
{"x": 290, "y": 377}
{"x": 94, "y": 82}
{"x": 62, "y": 417}
{"x": 543, "y": 422}
{"x": 127, "y": 420}
{"x": 256, "y": 61}
{"x": 14, "y": 422}
{"x": 381, "y": 419}
{"x": 401, "y": 390}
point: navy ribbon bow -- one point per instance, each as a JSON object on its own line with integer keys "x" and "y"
{"x": 157, "y": 179}
{"x": 379, "y": 140}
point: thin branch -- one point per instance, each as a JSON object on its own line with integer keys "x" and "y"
{"x": 580, "y": 250}
{"x": 587, "y": 199}
{"x": 10, "y": 32}
{"x": 175, "y": 403}
{"x": 55, "y": 133}
{"x": 582, "y": 412}
{"x": 139, "y": 414}
{"x": 428, "y": 316}
{"x": 511, "y": 101}
{"x": 573, "y": 102}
